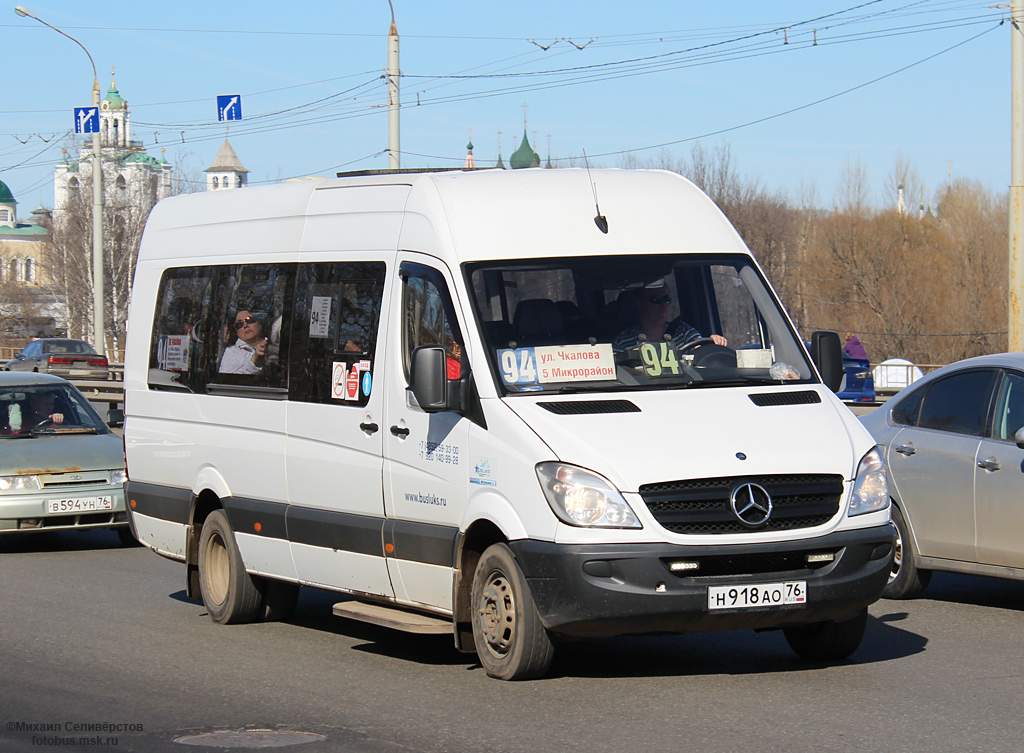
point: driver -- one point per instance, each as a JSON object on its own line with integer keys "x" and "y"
{"x": 654, "y": 306}
{"x": 40, "y": 410}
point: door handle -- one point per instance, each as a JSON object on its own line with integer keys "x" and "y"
{"x": 989, "y": 464}
{"x": 369, "y": 428}
{"x": 905, "y": 449}
{"x": 399, "y": 431}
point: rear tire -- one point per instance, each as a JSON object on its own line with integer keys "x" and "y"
{"x": 905, "y": 580}
{"x": 230, "y": 594}
{"x": 827, "y": 641}
{"x": 510, "y": 639}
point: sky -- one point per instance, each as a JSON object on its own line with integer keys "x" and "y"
{"x": 800, "y": 93}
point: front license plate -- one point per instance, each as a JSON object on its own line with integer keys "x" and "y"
{"x": 757, "y": 595}
{"x": 79, "y": 504}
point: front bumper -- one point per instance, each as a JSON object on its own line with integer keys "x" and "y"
{"x": 605, "y": 589}
{"x": 22, "y": 513}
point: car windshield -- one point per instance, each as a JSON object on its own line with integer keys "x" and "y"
{"x": 601, "y": 323}
{"x": 32, "y": 410}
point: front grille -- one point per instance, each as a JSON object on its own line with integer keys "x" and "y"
{"x": 701, "y": 506}
{"x": 82, "y": 478}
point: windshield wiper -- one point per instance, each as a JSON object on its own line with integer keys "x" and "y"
{"x": 59, "y": 430}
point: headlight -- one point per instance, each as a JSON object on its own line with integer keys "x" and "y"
{"x": 19, "y": 483}
{"x": 871, "y": 488}
{"x": 583, "y": 498}
{"x": 118, "y": 477}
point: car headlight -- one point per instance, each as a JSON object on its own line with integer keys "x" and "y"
{"x": 583, "y": 498}
{"x": 19, "y": 483}
{"x": 118, "y": 477}
{"x": 871, "y": 488}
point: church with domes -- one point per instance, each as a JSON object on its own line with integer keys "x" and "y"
{"x": 130, "y": 174}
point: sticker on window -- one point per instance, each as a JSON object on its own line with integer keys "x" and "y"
{"x": 320, "y": 316}
{"x": 557, "y": 363}
{"x": 172, "y": 352}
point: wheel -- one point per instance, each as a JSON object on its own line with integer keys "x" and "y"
{"x": 124, "y": 533}
{"x": 827, "y": 641}
{"x": 510, "y": 640}
{"x": 708, "y": 353}
{"x": 905, "y": 580}
{"x": 279, "y": 600}
{"x": 230, "y": 594}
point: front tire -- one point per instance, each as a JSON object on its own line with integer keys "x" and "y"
{"x": 230, "y": 594}
{"x": 126, "y": 537}
{"x": 905, "y": 580}
{"x": 827, "y": 641}
{"x": 510, "y": 639}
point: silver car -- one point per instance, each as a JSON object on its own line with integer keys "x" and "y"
{"x": 954, "y": 445}
{"x": 61, "y": 468}
{"x": 61, "y": 356}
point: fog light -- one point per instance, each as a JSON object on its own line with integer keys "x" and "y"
{"x": 823, "y": 557}
{"x": 678, "y": 567}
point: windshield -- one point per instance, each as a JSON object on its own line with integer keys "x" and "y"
{"x": 27, "y": 411}
{"x": 580, "y": 324}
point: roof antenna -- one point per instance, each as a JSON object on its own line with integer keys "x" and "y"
{"x": 600, "y": 220}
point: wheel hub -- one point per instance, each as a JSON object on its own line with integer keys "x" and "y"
{"x": 497, "y": 615}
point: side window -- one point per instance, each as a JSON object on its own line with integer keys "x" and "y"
{"x": 334, "y": 331}
{"x": 906, "y": 411}
{"x": 959, "y": 403}
{"x": 428, "y": 317}
{"x": 250, "y": 305}
{"x": 1009, "y": 413}
{"x": 181, "y": 330}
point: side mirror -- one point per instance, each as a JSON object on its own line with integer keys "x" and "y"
{"x": 827, "y": 354}
{"x": 1019, "y": 438}
{"x": 429, "y": 378}
{"x": 115, "y": 418}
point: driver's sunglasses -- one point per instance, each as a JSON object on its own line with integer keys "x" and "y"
{"x": 239, "y": 323}
{"x": 656, "y": 299}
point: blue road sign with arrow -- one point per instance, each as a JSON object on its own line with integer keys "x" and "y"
{"x": 229, "y": 107}
{"x": 87, "y": 120}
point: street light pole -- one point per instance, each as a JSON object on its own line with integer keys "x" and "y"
{"x": 394, "y": 152}
{"x": 1015, "y": 337}
{"x": 99, "y": 341}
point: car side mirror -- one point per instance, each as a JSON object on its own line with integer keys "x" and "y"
{"x": 428, "y": 378}
{"x": 115, "y": 418}
{"x": 1019, "y": 437}
{"x": 827, "y": 354}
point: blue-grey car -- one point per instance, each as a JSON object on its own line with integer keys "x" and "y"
{"x": 61, "y": 467}
{"x": 953, "y": 442}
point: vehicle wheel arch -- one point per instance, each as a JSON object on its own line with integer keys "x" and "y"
{"x": 471, "y": 544}
{"x": 203, "y": 503}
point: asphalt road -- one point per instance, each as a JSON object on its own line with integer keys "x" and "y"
{"x": 93, "y": 634}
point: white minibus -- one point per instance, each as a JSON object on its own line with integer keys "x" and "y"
{"x": 510, "y": 406}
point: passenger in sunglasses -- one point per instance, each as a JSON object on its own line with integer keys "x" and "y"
{"x": 247, "y": 354}
{"x": 654, "y": 306}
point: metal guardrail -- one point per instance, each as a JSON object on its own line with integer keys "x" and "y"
{"x": 110, "y": 391}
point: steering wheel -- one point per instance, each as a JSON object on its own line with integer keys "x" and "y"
{"x": 696, "y": 344}
{"x": 708, "y": 353}
{"x": 44, "y": 422}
